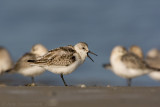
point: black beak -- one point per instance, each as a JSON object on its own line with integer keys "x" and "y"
{"x": 91, "y": 53}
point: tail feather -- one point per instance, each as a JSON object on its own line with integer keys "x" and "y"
{"x": 107, "y": 66}
{"x": 154, "y": 69}
{"x": 10, "y": 71}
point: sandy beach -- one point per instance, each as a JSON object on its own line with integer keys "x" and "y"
{"x": 51, "y": 96}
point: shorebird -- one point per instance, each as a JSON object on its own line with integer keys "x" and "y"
{"x": 128, "y": 65}
{"x": 6, "y": 62}
{"x": 64, "y": 60}
{"x": 23, "y": 66}
{"x": 133, "y": 49}
{"x": 153, "y": 59}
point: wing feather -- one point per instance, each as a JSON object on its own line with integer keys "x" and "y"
{"x": 62, "y": 56}
{"x": 133, "y": 61}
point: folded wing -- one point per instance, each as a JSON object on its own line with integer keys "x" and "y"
{"x": 62, "y": 56}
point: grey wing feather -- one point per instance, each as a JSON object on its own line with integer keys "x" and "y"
{"x": 133, "y": 61}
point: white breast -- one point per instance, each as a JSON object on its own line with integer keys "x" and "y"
{"x": 121, "y": 70}
{"x": 64, "y": 69}
{"x": 155, "y": 75}
{"x": 31, "y": 71}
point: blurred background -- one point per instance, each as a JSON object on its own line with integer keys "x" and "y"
{"x": 102, "y": 24}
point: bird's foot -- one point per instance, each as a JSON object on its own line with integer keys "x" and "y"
{"x": 31, "y": 85}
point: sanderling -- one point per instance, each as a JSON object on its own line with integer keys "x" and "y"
{"x": 6, "y": 62}
{"x": 64, "y": 60}
{"x": 153, "y": 59}
{"x": 23, "y": 66}
{"x": 133, "y": 49}
{"x": 128, "y": 65}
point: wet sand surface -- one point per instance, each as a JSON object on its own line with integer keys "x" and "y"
{"x": 51, "y": 96}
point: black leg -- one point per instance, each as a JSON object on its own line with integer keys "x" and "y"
{"x": 32, "y": 84}
{"x": 63, "y": 80}
{"x": 129, "y": 80}
{"x": 32, "y": 80}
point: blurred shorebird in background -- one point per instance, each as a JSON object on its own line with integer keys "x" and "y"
{"x": 23, "y": 66}
{"x": 153, "y": 59}
{"x": 129, "y": 65}
{"x": 133, "y": 49}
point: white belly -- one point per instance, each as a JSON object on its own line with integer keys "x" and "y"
{"x": 120, "y": 69}
{"x": 31, "y": 71}
{"x": 63, "y": 69}
{"x": 155, "y": 75}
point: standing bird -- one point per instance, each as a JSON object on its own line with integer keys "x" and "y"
{"x": 134, "y": 50}
{"x": 153, "y": 59}
{"x": 128, "y": 65}
{"x": 23, "y": 66}
{"x": 63, "y": 60}
{"x": 6, "y": 62}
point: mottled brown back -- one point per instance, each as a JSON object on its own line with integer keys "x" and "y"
{"x": 62, "y": 56}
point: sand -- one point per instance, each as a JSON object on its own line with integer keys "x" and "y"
{"x": 55, "y": 96}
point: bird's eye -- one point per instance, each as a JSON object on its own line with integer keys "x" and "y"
{"x": 83, "y": 48}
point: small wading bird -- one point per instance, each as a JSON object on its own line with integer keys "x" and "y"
{"x": 6, "y": 62}
{"x": 23, "y": 67}
{"x": 128, "y": 64}
{"x": 64, "y": 60}
{"x": 153, "y": 59}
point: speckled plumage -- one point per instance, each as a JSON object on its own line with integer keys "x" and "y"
{"x": 63, "y": 60}
{"x": 63, "y": 56}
